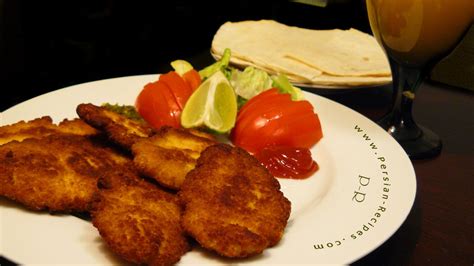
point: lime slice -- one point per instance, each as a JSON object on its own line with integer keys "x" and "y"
{"x": 213, "y": 105}
{"x": 181, "y": 66}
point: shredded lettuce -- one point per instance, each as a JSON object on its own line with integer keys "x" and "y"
{"x": 221, "y": 65}
{"x": 250, "y": 82}
{"x": 241, "y": 102}
{"x": 283, "y": 85}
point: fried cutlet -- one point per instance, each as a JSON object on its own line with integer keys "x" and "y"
{"x": 119, "y": 129}
{"x": 58, "y": 172}
{"x": 42, "y": 127}
{"x": 232, "y": 204}
{"x": 169, "y": 155}
{"x": 77, "y": 127}
{"x": 139, "y": 221}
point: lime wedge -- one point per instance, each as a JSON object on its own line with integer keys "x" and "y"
{"x": 213, "y": 105}
{"x": 181, "y": 66}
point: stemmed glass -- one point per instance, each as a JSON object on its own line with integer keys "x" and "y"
{"x": 414, "y": 35}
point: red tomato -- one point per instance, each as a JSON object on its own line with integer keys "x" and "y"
{"x": 269, "y": 97}
{"x": 157, "y": 105}
{"x": 172, "y": 107}
{"x": 192, "y": 78}
{"x": 179, "y": 87}
{"x": 160, "y": 103}
{"x": 288, "y": 162}
{"x": 273, "y": 119}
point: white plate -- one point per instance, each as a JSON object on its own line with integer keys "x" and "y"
{"x": 361, "y": 195}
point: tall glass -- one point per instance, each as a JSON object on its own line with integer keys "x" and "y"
{"x": 415, "y": 34}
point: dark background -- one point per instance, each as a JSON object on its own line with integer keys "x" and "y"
{"x": 47, "y": 45}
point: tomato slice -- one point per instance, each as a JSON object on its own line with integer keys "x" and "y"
{"x": 264, "y": 96}
{"x": 145, "y": 105}
{"x": 309, "y": 128}
{"x": 267, "y": 102}
{"x": 160, "y": 103}
{"x": 273, "y": 119}
{"x": 297, "y": 117}
{"x": 172, "y": 108}
{"x": 263, "y": 120}
{"x": 157, "y": 106}
{"x": 179, "y": 88}
{"x": 193, "y": 79}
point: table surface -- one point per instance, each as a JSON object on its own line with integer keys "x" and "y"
{"x": 440, "y": 226}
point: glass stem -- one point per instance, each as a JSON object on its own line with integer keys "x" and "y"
{"x": 400, "y": 120}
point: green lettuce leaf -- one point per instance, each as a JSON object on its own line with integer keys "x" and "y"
{"x": 221, "y": 65}
{"x": 250, "y": 82}
{"x": 283, "y": 85}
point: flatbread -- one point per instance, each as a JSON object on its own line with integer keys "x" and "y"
{"x": 327, "y": 57}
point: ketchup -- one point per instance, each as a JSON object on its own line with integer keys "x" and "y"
{"x": 288, "y": 162}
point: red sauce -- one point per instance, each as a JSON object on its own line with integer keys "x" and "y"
{"x": 288, "y": 162}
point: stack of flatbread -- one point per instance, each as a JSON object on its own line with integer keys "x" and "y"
{"x": 326, "y": 58}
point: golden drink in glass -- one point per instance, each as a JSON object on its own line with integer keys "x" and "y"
{"x": 415, "y": 34}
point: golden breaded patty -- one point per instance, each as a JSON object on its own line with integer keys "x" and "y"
{"x": 77, "y": 127}
{"x": 57, "y": 173}
{"x": 41, "y": 127}
{"x": 139, "y": 221}
{"x": 233, "y": 205}
{"x": 169, "y": 155}
{"x": 119, "y": 129}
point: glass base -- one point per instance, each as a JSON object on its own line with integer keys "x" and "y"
{"x": 428, "y": 145}
{"x": 417, "y": 141}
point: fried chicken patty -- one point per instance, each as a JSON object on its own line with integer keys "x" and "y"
{"x": 139, "y": 221}
{"x": 170, "y": 154}
{"x": 58, "y": 172}
{"x": 120, "y": 129}
{"x": 232, "y": 204}
{"x": 44, "y": 126}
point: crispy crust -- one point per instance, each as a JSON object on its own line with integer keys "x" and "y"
{"x": 169, "y": 155}
{"x": 77, "y": 127}
{"x": 118, "y": 128}
{"x": 139, "y": 221}
{"x": 41, "y": 127}
{"x": 57, "y": 173}
{"x": 233, "y": 206}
